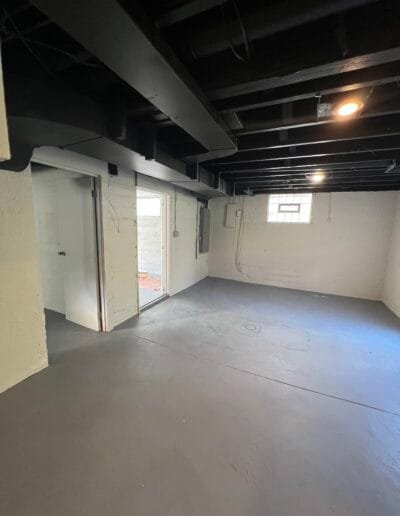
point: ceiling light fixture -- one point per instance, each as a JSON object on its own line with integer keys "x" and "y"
{"x": 348, "y": 108}
{"x": 317, "y": 177}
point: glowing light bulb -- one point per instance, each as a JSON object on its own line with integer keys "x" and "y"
{"x": 317, "y": 177}
{"x": 347, "y": 109}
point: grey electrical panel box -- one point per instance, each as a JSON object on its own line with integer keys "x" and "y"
{"x": 204, "y": 230}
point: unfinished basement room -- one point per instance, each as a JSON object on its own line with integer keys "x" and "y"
{"x": 200, "y": 258}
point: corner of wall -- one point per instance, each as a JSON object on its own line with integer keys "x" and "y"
{"x": 23, "y": 349}
{"x": 391, "y": 285}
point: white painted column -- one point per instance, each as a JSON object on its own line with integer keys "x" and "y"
{"x": 23, "y": 348}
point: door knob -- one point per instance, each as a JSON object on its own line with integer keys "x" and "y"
{"x": 61, "y": 253}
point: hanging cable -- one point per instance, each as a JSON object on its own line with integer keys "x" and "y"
{"x": 23, "y": 40}
{"x": 242, "y": 30}
{"x": 239, "y": 241}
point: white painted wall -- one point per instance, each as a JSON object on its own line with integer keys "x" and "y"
{"x": 118, "y": 201}
{"x": 22, "y": 338}
{"x": 118, "y": 229}
{"x": 391, "y": 289}
{"x": 185, "y": 268}
{"x": 343, "y": 251}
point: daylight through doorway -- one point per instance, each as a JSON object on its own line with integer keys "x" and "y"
{"x": 151, "y": 246}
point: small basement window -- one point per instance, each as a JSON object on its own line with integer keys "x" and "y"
{"x": 290, "y": 208}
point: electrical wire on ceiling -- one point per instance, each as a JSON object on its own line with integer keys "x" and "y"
{"x": 239, "y": 19}
{"x": 61, "y": 51}
{"x": 17, "y": 32}
{"x": 30, "y": 42}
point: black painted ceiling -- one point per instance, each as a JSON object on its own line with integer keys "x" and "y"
{"x": 265, "y": 66}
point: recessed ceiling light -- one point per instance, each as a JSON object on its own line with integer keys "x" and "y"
{"x": 348, "y": 108}
{"x": 317, "y": 177}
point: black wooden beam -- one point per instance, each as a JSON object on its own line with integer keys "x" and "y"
{"x": 356, "y": 129}
{"x": 321, "y": 189}
{"x": 367, "y": 147}
{"x": 336, "y": 84}
{"x": 261, "y": 124}
{"x": 265, "y": 21}
{"x": 321, "y": 162}
{"x": 261, "y": 169}
{"x": 187, "y": 11}
{"x": 304, "y": 74}
{"x": 345, "y": 172}
{"x": 328, "y": 180}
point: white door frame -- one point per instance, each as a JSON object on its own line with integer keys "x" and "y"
{"x": 98, "y": 232}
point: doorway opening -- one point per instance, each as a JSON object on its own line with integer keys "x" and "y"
{"x": 66, "y": 219}
{"x": 152, "y": 249}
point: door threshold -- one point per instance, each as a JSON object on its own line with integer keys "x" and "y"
{"x": 153, "y": 303}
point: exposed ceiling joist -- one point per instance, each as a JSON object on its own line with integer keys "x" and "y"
{"x": 265, "y": 126}
{"x": 344, "y": 83}
{"x": 344, "y": 172}
{"x": 365, "y": 187}
{"x": 338, "y": 148}
{"x": 322, "y": 159}
{"x": 356, "y": 129}
{"x": 370, "y": 178}
{"x": 187, "y": 11}
{"x": 262, "y": 23}
{"x": 308, "y": 74}
{"x": 272, "y": 168}
{"x": 320, "y": 162}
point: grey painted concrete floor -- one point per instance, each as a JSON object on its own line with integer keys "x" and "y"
{"x": 227, "y": 399}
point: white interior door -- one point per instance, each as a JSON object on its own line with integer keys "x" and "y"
{"x": 77, "y": 224}
{"x": 47, "y": 194}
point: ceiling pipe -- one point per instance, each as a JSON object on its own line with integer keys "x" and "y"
{"x": 260, "y": 24}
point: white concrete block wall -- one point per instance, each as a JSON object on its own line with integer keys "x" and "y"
{"x": 391, "y": 290}
{"x": 343, "y": 251}
{"x": 23, "y": 348}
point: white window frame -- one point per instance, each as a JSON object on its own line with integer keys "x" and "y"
{"x": 289, "y": 203}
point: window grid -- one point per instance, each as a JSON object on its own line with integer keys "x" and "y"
{"x": 280, "y": 208}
